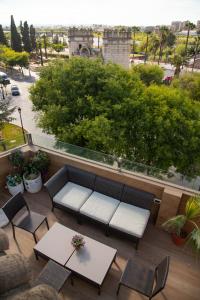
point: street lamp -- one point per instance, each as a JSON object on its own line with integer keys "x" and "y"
{"x": 20, "y": 115}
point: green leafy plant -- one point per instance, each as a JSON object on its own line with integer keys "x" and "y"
{"x": 17, "y": 159}
{"x": 192, "y": 214}
{"x": 13, "y": 180}
{"x": 41, "y": 161}
{"x": 30, "y": 171}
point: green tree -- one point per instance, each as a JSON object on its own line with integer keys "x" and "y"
{"x": 163, "y": 32}
{"x": 16, "y": 43}
{"x": 5, "y": 112}
{"x": 26, "y": 38}
{"x": 149, "y": 74}
{"x": 3, "y": 39}
{"x": 57, "y": 47}
{"x": 190, "y": 84}
{"x": 134, "y": 30}
{"x": 189, "y": 26}
{"x": 109, "y": 109}
{"x": 154, "y": 43}
{"x": 32, "y": 38}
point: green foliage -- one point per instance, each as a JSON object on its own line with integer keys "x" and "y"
{"x": 41, "y": 161}
{"x": 5, "y": 112}
{"x": 57, "y": 47}
{"x": 149, "y": 74}
{"x": 13, "y": 180}
{"x": 26, "y": 37}
{"x": 3, "y": 39}
{"x": 32, "y": 37}
{"x": 107, "y": 108}
{"x": 16, "y": 43}
{"x": 17, "y": 159}
{"x": 12, "y": 58}
{"x": 192, "y": 213}
{"x": 175, "y": 224}
{"x": 190, "y": 84}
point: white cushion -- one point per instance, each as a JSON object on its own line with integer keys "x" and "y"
{"x": 72, "y": 196}
{"x": 100, "y": 207}
{"x": 130, "y": 219}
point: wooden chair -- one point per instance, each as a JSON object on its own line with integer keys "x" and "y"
{"x": 144, "y": 280}
{"x": 29, "y": 220}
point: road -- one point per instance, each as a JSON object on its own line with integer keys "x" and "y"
{"x": 23, "y": 101}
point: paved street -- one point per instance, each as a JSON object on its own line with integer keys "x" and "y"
{"x": 23, "y": 101}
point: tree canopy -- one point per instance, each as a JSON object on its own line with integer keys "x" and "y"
{"x": 149, "y": 74}
{"x": 109, "y": 109}
{"x": 16, "y": 43}
{"x": 12, "y": 58}
{"x": 3, "y": 39}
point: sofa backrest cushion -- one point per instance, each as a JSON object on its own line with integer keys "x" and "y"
{"x": 108, "y": 187}
{"x": 57, "y": 181}
{"x": 137, "y": 197}
{"x": 81, "y": 177}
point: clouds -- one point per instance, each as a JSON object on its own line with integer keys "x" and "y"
{"x": 127, "y": 12}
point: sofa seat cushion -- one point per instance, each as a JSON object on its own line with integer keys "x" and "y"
{"x": 130, "y": 219}
{"x": 72, "y": 196}
{"x": 100, "y": 207}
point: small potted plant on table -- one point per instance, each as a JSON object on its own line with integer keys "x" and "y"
{"x": 176, "y": 225}
{"x": 78, "y": 241}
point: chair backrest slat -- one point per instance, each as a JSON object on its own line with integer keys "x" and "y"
{"x": 161, "y": 274}
{"x": 13, "y": 206}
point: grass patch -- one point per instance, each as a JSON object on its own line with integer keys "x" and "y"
{"x": 12, "y": 137}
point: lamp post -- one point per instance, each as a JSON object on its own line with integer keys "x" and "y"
{"x": 20, "y": 115}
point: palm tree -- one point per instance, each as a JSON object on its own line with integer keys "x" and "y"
{"x": 134, "y": 30}
{"x": 163, "y": 32}
{"x": 196, "y": 48}
{"x": 148, "y": 32}
{"x": 154, "y": 45}
{"x": 190, "y": 26}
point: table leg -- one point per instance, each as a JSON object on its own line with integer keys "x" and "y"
{"x": 36, "y": 256}
{"x": 99, "y": 290}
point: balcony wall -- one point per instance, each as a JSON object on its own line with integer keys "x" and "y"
{"x": 172, "y": 197}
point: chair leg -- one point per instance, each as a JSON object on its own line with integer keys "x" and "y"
{"x": 137, "y": 244}
{"x": 119, "y": 285}
{"x": 47, "y": 223}
{"x": 13, "y": 230}
{"x": 35, "y": 237}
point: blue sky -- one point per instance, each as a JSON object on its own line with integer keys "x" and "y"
{"x": 125, "y": 12}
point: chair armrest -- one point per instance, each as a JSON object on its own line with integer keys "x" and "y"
{"x": 4, "y": 242}
{"x": 14, "y": 271}
{"x": 56, "y": 182}
{"x": 43, "y": 291}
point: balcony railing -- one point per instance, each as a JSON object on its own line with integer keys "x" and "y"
{"x": 123, "y": 165}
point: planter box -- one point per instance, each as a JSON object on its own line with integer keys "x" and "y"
{"x": 13, "y": 190}
{"x": 33, "y": 185}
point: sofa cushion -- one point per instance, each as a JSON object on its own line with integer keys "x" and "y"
{"x": 81, "y": 177}
{"x": 108, "y": 187}
{"x": 130, "y": 219}
{"x": 100, "y": 207}
{"x": 137, "y": 197}
{"x": 72, "y": 196}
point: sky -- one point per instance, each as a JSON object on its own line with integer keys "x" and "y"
{"x": 110, "y": 12}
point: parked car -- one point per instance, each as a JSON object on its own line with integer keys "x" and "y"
{"x": 15, "y": 90}
{"x": 4, "y": 78}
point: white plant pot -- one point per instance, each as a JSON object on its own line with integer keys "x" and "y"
{"x": 13, "y": 190}
{"x": 33, "y": 185}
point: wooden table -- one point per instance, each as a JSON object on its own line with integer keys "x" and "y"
{"x": 92, "y": 262}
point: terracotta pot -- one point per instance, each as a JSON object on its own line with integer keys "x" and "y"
{"x": 178, "y": 240}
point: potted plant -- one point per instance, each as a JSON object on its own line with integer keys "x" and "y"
{"x": 17, "y": 160}
{"x": 78, "y": 241}
{"x": 34, "y": 169}
{"x": 32, "y": 178}
{"x": 176, "y": 225}
{"x": 14, "y": 184}
{"x": 41, "y": 162}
